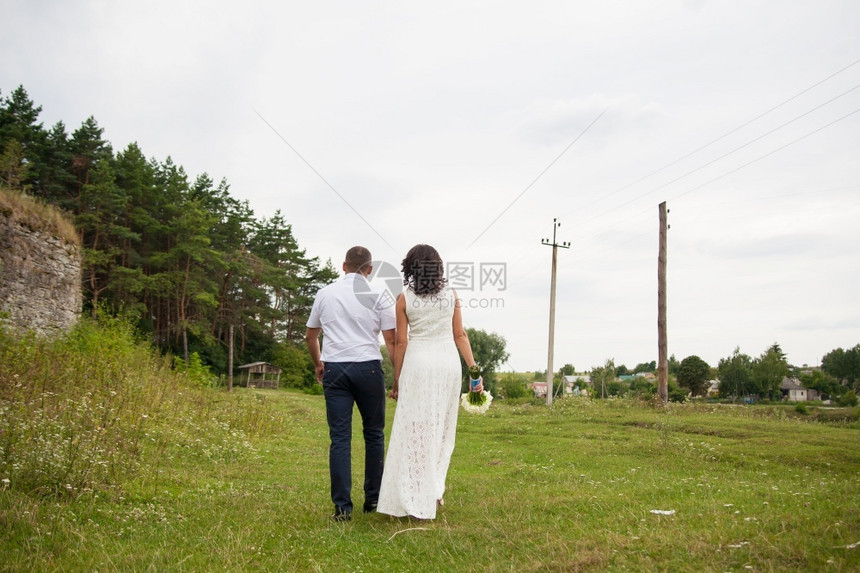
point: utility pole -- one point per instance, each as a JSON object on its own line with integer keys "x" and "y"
{"x": 555, "y": 245}
{"x": 662, "y": 358}
{"x": 230, "y": 363}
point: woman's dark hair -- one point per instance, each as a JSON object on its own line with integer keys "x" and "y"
{"x": 422, "y": 270}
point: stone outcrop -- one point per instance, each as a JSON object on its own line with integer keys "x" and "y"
{"x": 40, "y": 277}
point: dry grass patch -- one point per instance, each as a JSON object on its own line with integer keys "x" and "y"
{"x": 37, "y": 215}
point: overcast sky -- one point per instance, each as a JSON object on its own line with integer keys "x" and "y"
{"x": 470, "y": 125}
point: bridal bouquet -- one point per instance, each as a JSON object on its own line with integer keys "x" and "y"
{"x": 475, "y": 402}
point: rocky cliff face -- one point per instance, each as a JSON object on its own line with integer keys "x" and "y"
{"x": 40, "y": 278}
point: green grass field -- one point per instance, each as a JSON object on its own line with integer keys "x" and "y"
{"x": 569, "y": 488}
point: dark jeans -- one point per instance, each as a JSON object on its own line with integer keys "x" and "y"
{"x": 362, "y": 384}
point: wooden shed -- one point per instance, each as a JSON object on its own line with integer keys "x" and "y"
{"x": 260, "y": 375}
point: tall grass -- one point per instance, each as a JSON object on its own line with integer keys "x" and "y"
{"x": 98, "y": 410}
{"x": 572, "y": 487}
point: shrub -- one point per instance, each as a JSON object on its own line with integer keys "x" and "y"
{"x": 800, "y": 408}
{"x": 513, "y": 386}
{"x": 297, "y": 369}
{"x": 676, "y": 393}
{"x": 291, "y": 380}
{"x": 196, "y": 372}
{"x": 642, "y": 387}
{"x": 315, "y": 390}
{"x": 848, "y": 399}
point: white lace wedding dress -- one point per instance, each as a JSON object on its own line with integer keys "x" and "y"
{"x": 425, "y": 421}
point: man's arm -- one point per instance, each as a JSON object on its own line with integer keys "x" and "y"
{"x": 388, "y": 337}
{"x": 312, "y": 338}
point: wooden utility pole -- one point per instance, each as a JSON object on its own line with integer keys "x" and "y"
{"x": 230, "y": 362}
{"x": 555, "y": 245}
{"x": 662, "y": 354}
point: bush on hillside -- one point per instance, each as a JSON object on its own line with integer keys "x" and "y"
{"x": 98, "y": 408}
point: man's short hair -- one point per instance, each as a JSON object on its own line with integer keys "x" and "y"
{"x": 357, "y": 258}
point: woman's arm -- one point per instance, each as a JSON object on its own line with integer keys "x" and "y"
{"x": 461, "y": 339}
{"x": 400, "y": 340}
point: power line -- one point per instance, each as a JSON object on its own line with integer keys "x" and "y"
{"x": 778, "y": 149}
{"x": 747, "y": 144}
{"x": 700, "y": 148}
{"x": 535, "y": 180}
{"x": 779, "y": 197}
{"x": 720, "y": 138}
{"x": 730, "y": 172}
{"x": 748, "y": 163}
{"x": 723, "y": 156}
{"x": 726, "y": 174}
{"x": 588, "y": 255}
{"x": 324, "y": 180}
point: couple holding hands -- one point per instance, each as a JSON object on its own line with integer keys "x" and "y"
{"x": 423, "y": 333}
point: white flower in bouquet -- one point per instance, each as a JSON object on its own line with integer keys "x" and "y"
{"x": 475, "y": 402}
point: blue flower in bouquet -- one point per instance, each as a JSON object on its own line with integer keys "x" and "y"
{"x": 472, "y": 401}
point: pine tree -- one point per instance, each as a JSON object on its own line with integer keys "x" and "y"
{"x": 101, "y": 226}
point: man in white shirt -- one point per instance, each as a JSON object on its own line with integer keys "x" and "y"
{"x": 350, "y": 317}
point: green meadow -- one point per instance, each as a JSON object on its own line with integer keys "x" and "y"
{"x": 111, "y": 461}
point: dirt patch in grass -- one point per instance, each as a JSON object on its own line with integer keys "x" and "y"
{"x": 638, "y": 424}
{"x": 695, "y": 430}
{"x": 716, "y": 432}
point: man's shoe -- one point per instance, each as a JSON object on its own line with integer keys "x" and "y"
{"x": 369, "y": 507}
{"x": 341, "y": 515}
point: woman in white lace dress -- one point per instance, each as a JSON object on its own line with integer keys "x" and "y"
{"x": 427, "y": 379}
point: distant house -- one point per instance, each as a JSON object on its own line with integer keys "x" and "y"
{"x": 571, "y": 382}
{"x": 793, "y": 391}
{"x": 539, "y": 388}
{"x": 260, "y": 375}
{"x": 713, "y": 388}
{"x": 570, "y": 386}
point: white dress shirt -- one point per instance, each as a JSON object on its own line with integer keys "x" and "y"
{"x": 350, "y": 320}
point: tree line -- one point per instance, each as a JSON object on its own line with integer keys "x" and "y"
{"x": 740, "y": 376}
{"x": 837, "y": 378}
{"x": 181, "y": 254}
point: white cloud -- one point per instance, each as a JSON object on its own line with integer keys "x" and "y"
{"x": 432, "y": 120}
